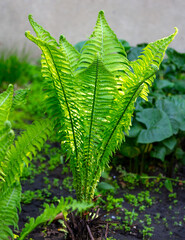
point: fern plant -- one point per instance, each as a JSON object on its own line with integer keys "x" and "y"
{"x": 91, "y": 95}
{"x": 13, "y": 157}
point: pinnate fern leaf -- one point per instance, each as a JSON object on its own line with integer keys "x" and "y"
{"x": 42, "y": 33}
{"x": 96, "y": 104}
{"x": 9, "y": 202}
{"x": 23, "y": 151}
{"x": 5, "y": 105}
{"x": 48, "y": 215}
{"x": 104, "y": 41}
{"x": 57, "y": 67}
{"x": 71, "y": 53}
{"x": 6, "y": 139}
{"x": 12, "y": 160}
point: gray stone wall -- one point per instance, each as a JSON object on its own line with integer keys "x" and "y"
{"x": 136, "y": 21}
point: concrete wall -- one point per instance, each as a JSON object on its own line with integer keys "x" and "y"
{"x": 136, "y": 21}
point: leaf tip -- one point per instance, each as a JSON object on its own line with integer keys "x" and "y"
{"x": 176, "y": 30}
{"x": 62, "y": 38}
{"x": 101, "y": 13}
{"x": 30, "y": 18}
{"x": 27, "y": 33}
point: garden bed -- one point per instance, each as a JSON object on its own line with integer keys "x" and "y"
{"x": 146, "y": 210}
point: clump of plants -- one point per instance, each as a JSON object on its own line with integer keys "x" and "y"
{"x": 17, "y": 69}
{"x": 90, "y": 97}
{"x": 14, "y": 156}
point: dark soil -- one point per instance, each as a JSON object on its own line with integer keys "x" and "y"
{"x": 171, "y": 228}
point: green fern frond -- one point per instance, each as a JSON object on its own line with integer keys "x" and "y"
{"x": 6, "y": 139}
{"x": 135, "y": 84}
{"x": 56, "y": 66}
{"x": 113, "y": 135}
{"x": 5, "y": 105}
{"x": 19, "y": 97}
{"x": 12, "y": 160}
{"x": 72, "y": 54}
{"x": 9, "y": 202}
{"x": 48, "y": 215}
{"x": 58, "y": 69}
{"x": 42, "y": 33}
{"x": 104, "y": 41}
{"x": 22, "y": 153}
{"x": 98, "y": 89}
{"x": 147, "y": 63}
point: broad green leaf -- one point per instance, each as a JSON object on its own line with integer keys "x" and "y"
{"x": 158, "y": 126}
{"x": 170, "y": 142}
{"x": 135, "y": 129}
{"x": 129, "y": 151}
{"x": 160, "y": 84}
{"x": 159, "y": 152}
{"x": 174, "y": 107}
{"x": 125, "y": 44}
{"x": 179, "y": 85}
{"x": 78, "y": 46}
{"x": 177, "y": 58}
{"x": 105, "y": 186}
{"x": 179, "y": 153}
{"x": 105, "y": 175}
{"x": 168, "y": 185}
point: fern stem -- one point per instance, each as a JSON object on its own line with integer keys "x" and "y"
{"x": 102, "y": 35}
{"x": 90, "y": 130}
{"x": 93, "y": 105}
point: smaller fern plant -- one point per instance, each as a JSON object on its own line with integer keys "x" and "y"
{"x": 14, "y": 156}
{"x": 90, "y": 95}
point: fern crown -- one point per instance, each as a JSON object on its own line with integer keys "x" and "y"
{"x": 91, "y": 95}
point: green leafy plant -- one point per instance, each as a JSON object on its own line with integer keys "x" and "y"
{"x": 49, "y": 214}
{"x": 14, "y": 156}
{"x": 91, "y": 95}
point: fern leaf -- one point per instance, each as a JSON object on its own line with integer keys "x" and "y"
{"x": 104, "y": 41}
{"x": 19, "y": 97}
{"x": 5, "y": 105}
{"x": 135, "y": 84}
{"x": 56, "y": 66}
{"x": 113, "y": 135}
{"x": 48, "y": 215}
{"x": 72, "y": 54}
{"x": 45, "y": 36}
{"x": 97, "y": 88}
{"x": 22, "y": 153}
{"x": 9, "y": 202}
{"x": 42, "y": 33}
{"x": 148, "y": 63}
{"x": 6, "y": 139}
